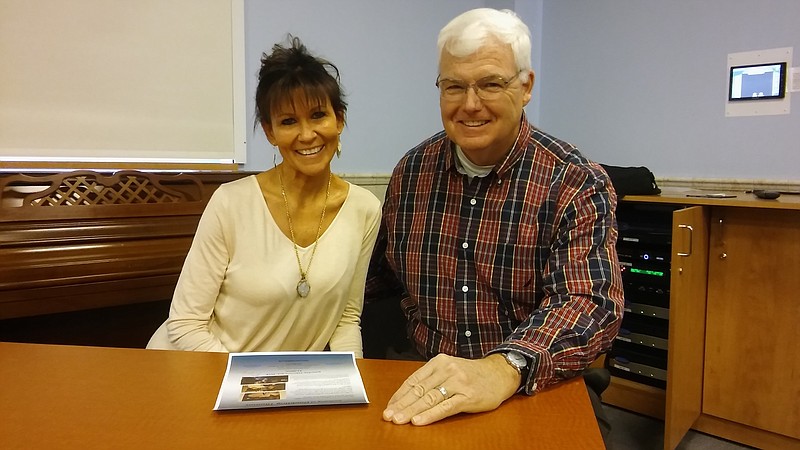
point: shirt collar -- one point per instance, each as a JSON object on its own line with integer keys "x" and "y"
{"x": 517, "y": 149}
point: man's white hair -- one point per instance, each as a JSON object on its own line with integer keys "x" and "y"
{"x": 471, "y": 30}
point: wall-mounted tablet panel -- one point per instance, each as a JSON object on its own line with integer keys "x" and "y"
{"x": 757, "y": 83}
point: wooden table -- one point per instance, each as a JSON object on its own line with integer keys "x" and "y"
{"x": 72, "y": 397}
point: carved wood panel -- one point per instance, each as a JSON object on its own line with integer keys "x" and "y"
{"x": 82, "y": 240}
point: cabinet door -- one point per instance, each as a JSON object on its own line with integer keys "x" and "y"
{"x": 752, "y": 371}
{"x": 687, "y": 311}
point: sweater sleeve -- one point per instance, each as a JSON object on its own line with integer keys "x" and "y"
{"x": 347, "y": 335}
{"x": 199, "y": 283}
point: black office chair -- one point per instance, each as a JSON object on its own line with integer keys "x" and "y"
{"x": 383, "y": 326}
{"x": 597, "y": 379}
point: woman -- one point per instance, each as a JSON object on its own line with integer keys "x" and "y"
{"x": 279, "y": 259}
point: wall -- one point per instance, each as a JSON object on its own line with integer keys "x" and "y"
{"x": 386, "y": 54}
{"x": 644, "y": 83}
{"x": 629, "y": 82}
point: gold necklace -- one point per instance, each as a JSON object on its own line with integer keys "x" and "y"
{"x": 303, "y": 287}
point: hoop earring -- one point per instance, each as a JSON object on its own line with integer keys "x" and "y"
{"x": 274, "y": 159}
{"x": 339, "y": 150}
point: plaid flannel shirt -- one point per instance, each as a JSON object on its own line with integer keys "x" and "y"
{"x": 522, "y": 259}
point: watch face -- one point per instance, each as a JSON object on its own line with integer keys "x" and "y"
{"x": 516, "y": 360}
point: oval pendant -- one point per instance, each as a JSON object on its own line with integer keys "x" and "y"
{"x": 303, "y": 288}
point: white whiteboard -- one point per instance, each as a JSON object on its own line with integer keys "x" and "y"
{"x": 120, "y": 80}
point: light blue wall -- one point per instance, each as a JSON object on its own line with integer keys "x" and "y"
{"x": 635, "y": 82}
{"x": 386, "y": 53}
{"x": 631, "y": 82}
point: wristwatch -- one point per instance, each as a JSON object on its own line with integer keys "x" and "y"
{"x": 516, "y": 360}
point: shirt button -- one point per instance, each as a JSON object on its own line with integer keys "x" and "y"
{"x": 464, "y": 288}
{"x": 473, "y": 202}
{"x": 465, "y": 245}
{"x": 468, "y": 333}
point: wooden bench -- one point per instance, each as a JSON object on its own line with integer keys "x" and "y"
{"x": 85, "y": 241}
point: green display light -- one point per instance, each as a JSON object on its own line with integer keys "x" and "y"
{"x": 648, "y": 272}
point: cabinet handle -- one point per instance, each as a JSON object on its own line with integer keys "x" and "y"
{"x": 688, "y": 227}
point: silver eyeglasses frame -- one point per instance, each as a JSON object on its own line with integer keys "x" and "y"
{"x": 483, "y": 87}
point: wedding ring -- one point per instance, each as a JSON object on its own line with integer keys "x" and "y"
{"x": 443, "y": 391}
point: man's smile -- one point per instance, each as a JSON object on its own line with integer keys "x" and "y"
{"x": 474, "y": 123}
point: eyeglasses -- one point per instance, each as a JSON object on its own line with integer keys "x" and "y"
{"x": 487, "y": 88}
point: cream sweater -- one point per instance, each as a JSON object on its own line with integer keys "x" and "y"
{"x": 236, "y": 292}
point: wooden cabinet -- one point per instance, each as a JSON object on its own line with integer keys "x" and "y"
{"x": 752, "y": 371}
{"x": 90, "y": 258}
{"x": 686, "y": 322}
{"x": 733, "y": 369}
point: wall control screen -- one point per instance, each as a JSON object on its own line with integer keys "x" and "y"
{"x": 757, "y": 82}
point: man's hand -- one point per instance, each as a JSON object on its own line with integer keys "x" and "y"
{"x": 471, "y": 385}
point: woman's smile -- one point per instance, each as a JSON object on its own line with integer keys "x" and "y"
{"x": 310, "y": 151}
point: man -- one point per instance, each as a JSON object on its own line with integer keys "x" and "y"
{"x": 499, "y": 238}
